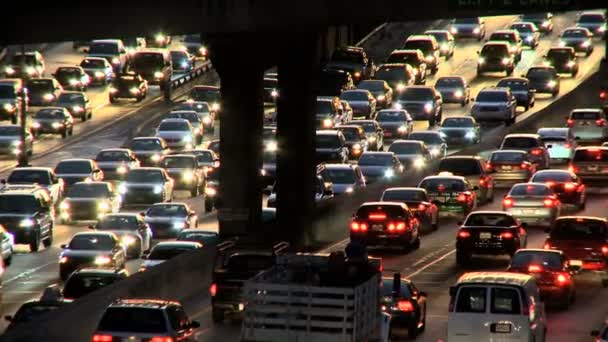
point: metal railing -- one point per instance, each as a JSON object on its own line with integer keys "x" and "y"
{"x": 186, "y": 78}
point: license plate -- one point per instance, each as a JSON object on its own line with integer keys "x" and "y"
{"x": 576, "y": 263}
{"x": 592, "y": 168}
{"x": 506, "y": 167}
{"x": 377, "y": 227}
{"x": 529, "y": 211}
{"x": 388, "y": 134}
{"x": 502, "y": 328}
{"x": 584, "y": 123}
{"x": 485, "y": 236}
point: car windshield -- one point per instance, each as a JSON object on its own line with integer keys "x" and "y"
{"x": 576, "y": 33}
{"x": 354, "y": 96}
{"x": 443, "y": 185}
{"x": 167, "y": 210}
{"x": 503, "y": 36}
{"x": 199, "y": 107}
{"x": 27, "y": 59}
{"x": 198, "y": 236}
{"x": 460, "y": 166}
{"x": 49, "y": 113}
{"x": 87, "y": 190}
{"x": 581, "y": 115}
{"x": 426, "y": 46}
{"x": 7, "y": 92}
{"x": 530, "y": 190}
{"x": 204, "y": 157}
{"x": 592, "y": 19}
{"x": 401, "y": 57}
{"x": 392, "y": 74}
{"x": 390, "y": 116}
{"x": 368, "y": 127}
{"x": 468, "y": 21}
{"x": 90, "y": 63}
{"x": 173, "y": 126}
{"x": 522, "y": 28}
{"x": 131, "y": 319}
{"x": 390, "y": 211}
{"x": 508, "y": 157}
{"x": 449, "y": 82}
{"x": 492, "y": 96}
{"x": 179, "y": 163}
{"x": 166, "y": 252}
{"x": 178, "y": 57}
{"x": 458, "y": 122}
{"x": 495, "y": 50}
{"x": 100, "y": 48}
{"x": 190, "y": 116}
{"x": 146, "y": 145}
{"x": 30, "y": 312}
{"x": 346, "y": 56}
{"x": 80, "y": 285}
{"x": 116, "y": 222}
{"x": 75, "y": 166}
{"x": 108, "y": 156}
{"x": 559, "y": 55}
{"x": 342, "y": 176}
{"x": 440, "y": 37}
{"x": 95, "y": 242}
{"x": 405, "y": 148}
{"x": 547, "y": 260}
{"x": 590, "y": 155}
{"x": 404, "y": 196}
{"x": 70, "y": 99}
{"x": 205, "y": 94}
{"x": 490, "y": 220}
{"x": 192, "y": 38}
{"x": 20, "y": 204}
{"x": 147, "y": 61}
{"x": 514, "y": 84}
{"x": 10, "y": 131}
{"x": 560, "y": 177}
{"x": 417, "y": 94}
{"x": 29, "y": 177}
{"x": 520, "y": 142}
{"x": 579, "y": 229}
{"x": 145, "y": 176}
{"x": 373, "y": 86}
{"x": 374, "y": 159}
{"x": 328, "y": 141}
{"x": 324, "y": 107}
{"x": 39, "y": 85}
{"x": 350, "y": 134}
{"x": 428, "y": 138}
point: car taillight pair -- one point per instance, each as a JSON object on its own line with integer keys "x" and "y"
{"x": 463, "y": 196}
{"x": 464, "y": 234}
{"x": 570, "y": 122}
{"x": 405, "y": 306}
{"x": 396, "y": 226}
{"x": 109, "y": 338}
{"x": 600, "y": 122}
{"x": 536, "y": 152}
{"x": 358, "y": 227}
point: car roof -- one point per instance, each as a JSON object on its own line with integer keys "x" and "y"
{"x": 552, "y": 171}
{"x": 352, "y": 126}
{"x": 147, "y": 168}
{"x": 93, "y": 233}
{"x": 522, "y": 135}
{"x": 92, "y": 183}
{"x": 33, "y": 168}
{"x": 376, "y": 153}
{"x": 387, "y": 203}
{"x": 491, "y": 212}
{"x": 406, "y": 51}
{"x": 584, "y": 217}
{"x": 459, "y": 117}
{"x": 408, "y": 142}
{"x": 105, "y": 41}
{"x": 115, "y": 150}
{"x": 393, "y": 65}
{"x": 505, "y": 31}
{"x": 462, "y": 157}
{"x": 498, "y": 278}
{"x": 168, "y": 204}
{"x": 146, "y": 303}
{"x": 426, "y": 133}
{"x": 597, "y": 110}
{"x": 540, "y": 250}
{"x": 549, "y": 130}
{"x": 514, "y": 79}
{"x": 452, "y": 177}
{"x": 497, "y": 42}
{"x": 192, "y": 244}
{"x": 522, "y": 23}
{"x": 327, "y": 132}
{"x": 405, "y": 188}
{"x": 122, "y": 215}
{"x": 147, "y": 138}
{"x": 420, "y": 37}
{"x": 510, "y": 151}
{"x": 173, "y": 120}
{"x": 494, "y": 90}
{"x": 95, "y": 58}
{"x": 340, "y": 166}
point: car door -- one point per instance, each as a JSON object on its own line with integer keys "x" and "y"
{"x": 6, "y": 243}
{"x": 45, "y": 213}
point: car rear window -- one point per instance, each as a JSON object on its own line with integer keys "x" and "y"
{"x": 585, "y": 115}
{"x": 460, "y": 166}
{"x": 249, "y": 263}
{"x": 133, "y": 319}
{"x": 505, "y": 301}
{"x": 529, "y": 190}
{"x": 404, "y": 195}
{"x": 443, "y": 185}
{"x": 490, "y": 220}
{"x": 508, "y": 157}
{"x": 471, "y": 299}
{"x": 552, "y": 177}
{"x": 379, "y": 211}
{"x": 579, "y": 229}
{"x": 520, "y": 142}
{"x": 548, "y": 260}
{"x": 590, "y": 155}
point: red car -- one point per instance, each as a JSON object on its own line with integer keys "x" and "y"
{"x": 552, "y": 272}
{"x": 584, "y": 241}
{"x": 417, "y": 199}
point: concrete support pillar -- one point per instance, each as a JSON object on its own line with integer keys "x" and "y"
{"x": 241, "y": 77}
{"x": 298, "y": 67}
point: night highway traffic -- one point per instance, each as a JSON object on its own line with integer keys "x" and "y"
{"x": 463, "y": 161}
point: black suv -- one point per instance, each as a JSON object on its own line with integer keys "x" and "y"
{"x": 154, "y": 66}
{"x": 27, "y": 213}
{"x": 353, "y": 60}
{"x": 86, "y": 280}
{"x": 422, "y": 103}
{"x": 415, "y": 58}
{"x": 128, "y": 86}
{"x": 495, "y": 57}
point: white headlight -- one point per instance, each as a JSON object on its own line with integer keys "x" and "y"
{"x": 327, "y": 123}
{"x": 389, "y": 173}
{"x": 601, "y": 29}
{"x": 103, "y": 206}
{"x": 357, "y": 146}
{"x": 9, "y": 70}
{"x": 206, "y": 120}
{"x": 476, "y": 30}
{"x": 16, "y": 143}
{"x": 122, "y": 189}
{"x": 128, "y": 240}
{"x": 444, "y": 47}
{"x": 113, "y": 90}
{"x": 35, "y": 124}
{"x": 184, "y": 64}
{"x": 73, "y": 82}
{"x": 418, "y": 163}
{"x": 158, "y": 189}
{"x": 188, "y": 176}
{"x": 402, "y": 129}
{"x": 505, "y": 61}
{"x": 179, "y": 225}
{"x": 210, "y": 192}
{"x": 215, "y": 107}
{"x": 458, "y": 93}
{"x": 77, "y": 109}
{"x": 469, "y": 135}
{"x": 571, "y": 64}
{"x": 99, "y": 74}
{"x": 430, "y": 58}
{"x": 64, "y": 205}
{"x": 586, "y": 43}
{"x": 398, "y": 105}
{"x": 481, "y": 60}
{"x": 121, "y": 169}
{"x": 428, "y": 107}
{"x": 56, "y": 124}
{"x": 102, "y": 260}
{"x": 381, "y": 98}
{"x": 272, "y": 146}
{"x": 115, "y": 60}
{"x": 443, "y": 135}
{"x": 545, "y": 24}
{"x": 371, "y": 139}
{"x": 48, "y": 97}
{"x": 529, "y": 39}
{"x": 551, "y": 84}
{"x": 159, "y": 38}
{"x": 274, "y": 93}
{"x": 27, "y": 223}
{"x": 263, "y": 172}
{"x": 400, "y": 87}
{"x": 562, "y": 43}
{"x": 155, "y": 157}
{"x": 30, "y": 70}
{"x": 159, "y": 74}
{"x": 187, "y": 138}
{"x": 454, "y": 30}
{"x": 202, "y": 50}
{"x": 134, "y": 90}
{"x": 435, "y": 151}
{"x": 349, "y": 190}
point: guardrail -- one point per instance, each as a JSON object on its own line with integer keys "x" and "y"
{"x": 186, "y": 78}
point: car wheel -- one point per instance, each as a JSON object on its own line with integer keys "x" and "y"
{"x": 463, "y": 103}
{"x": 63, "y": 275}
{"x": 30, "y": 152}
{"x": 479, "y": 72}
{"x": 136, "y": 254}
{"x": 208, "y": 206}
{"x": 416, "y": 243}
{"x": 49, "y": 239}
{"x": 14, "y": 119}
{"x": 64, "y": 133}
{"x": 35, "y": 243}
{"x": 71, "y": 131}
{"x": 217, "y": 315}
{"x": 112, "y": 100}
{"x": 194, "y": 191}
{"x": 582, "y": 203}
{"x": 412, "y": 331}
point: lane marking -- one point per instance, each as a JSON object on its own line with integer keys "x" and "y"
{"x": 421, "y": 269}
{"x": 28, "y": 272}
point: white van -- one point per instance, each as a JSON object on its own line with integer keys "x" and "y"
{"x": 496, "y": 306}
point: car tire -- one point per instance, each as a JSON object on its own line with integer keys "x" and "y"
{"x": 217, "y": 315}
{"x": 434, "y": 70}
{"x": 139, "y": 99}
{"x": 605, "y": 282}
{"x": 35, "y": 243}
{"x": 112, "y": 99}
{"x": 30, "y": 152}
{"x": 416, "y": 243}
{"x": 136, "y": 254}
{"x": 510, "y": 71}
{"x": 208, "y": 206}
{"x": 64, "y": 134}
{"x": 462, "y": 259}
{"x": 582, "y": 205}
{"x": 14, "y": 119}
{"x": 9, "y": 260}
{"x": 412, "y": 331}
{"x": 479, "y": 72}
{"x": 71, "y": 131}
{"x": 194, "y": 192}
{"x": 554, "y": 93}
{"x": 463, "y": 103}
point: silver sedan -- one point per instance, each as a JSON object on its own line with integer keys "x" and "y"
{"x": 533, "y": 203}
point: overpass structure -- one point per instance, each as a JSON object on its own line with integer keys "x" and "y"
{"x": 246, "y": 37}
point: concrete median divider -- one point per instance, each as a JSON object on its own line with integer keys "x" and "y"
{"x": 181, "y": 278}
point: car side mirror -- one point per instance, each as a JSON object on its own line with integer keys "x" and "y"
{"x": 3, "y": 181}
{"x": 85, "y": 50}
{"x": 96, "y": 171}
{"x": 478, "y": 52}
{"x": 594, "y": 333}
{"x": 533, "y": 90}
{"x": 194, "y": 324}
{"x": 92, "y": 227}
{"x": 524, "y": 225}
{"x": 142, "y": 213}
{"x": 574, "y": 268}
{"x": 422, "y": 294}
{"x": 64, "y": 246}
{"x": 9, "y": 318}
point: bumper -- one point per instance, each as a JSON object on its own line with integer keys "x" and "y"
{"x": 486, "y": 248}
{"x": 181, "y": 184}
{"x": 491, "y": 115}
{"x": 594, "y": 179}
{"x": 540, "y": 216}
{"x": 449, "y": 97}
{"x": 23, "y": 236}
{"x": 511, "y": 177}
{"x": 141, "y": 197}
{"x": 383, "y": 239}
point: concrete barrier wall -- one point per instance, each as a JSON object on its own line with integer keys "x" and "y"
{"x": 181, "y": 278}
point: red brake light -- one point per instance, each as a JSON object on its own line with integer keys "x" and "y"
{"x": 401, "y": 226}
{"x": 534, "y": 268}
{"x": 421, "y": 207}
{"x": 572, "y": 168}
{"x": 161, "y": 339}
{"x": 602, "y": 95}
{"x": 567, "y": 145}
{"x": 536, "y": 151}
{"x": 605, "y": 250}
{"x": 213, "y": 289}
{"x": 482, "y": 181}
{"x": 550, "y": 184}
{"x": 570, "y": 186}
{"x": 600, "y": 122}
{"x": 489, "y": 166}
{"x": 377, "y": 217}
{"x": 562, "y": 278}
{"x": 506, "y": 235}
{"x": 354, "y": 226}
{"x": 508, "y": 202}
{"x": 405, "y": 306}
{"x": 570, "y": 122}
{"x": 524, "y": 165}
{"x": 102, "y": 338}
{"x": 391, "y": 227}
{"x": 547, "y": 245}
{"x": 549, "y": 202}
{"x": 462, "y": 197}
{"x": 463, "y": 234}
